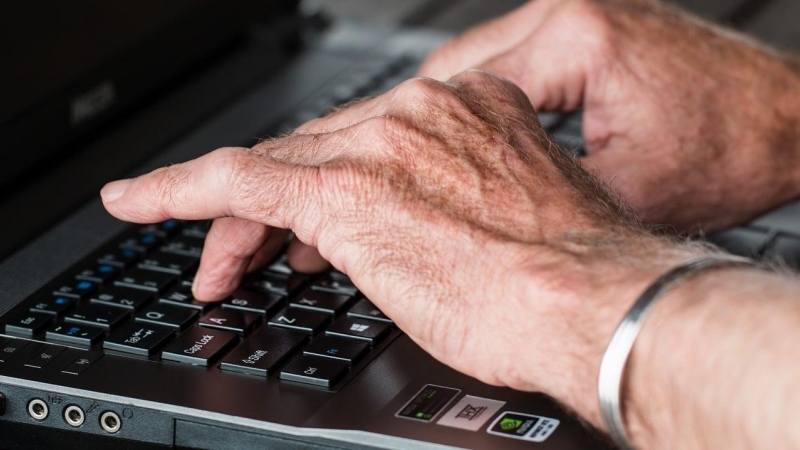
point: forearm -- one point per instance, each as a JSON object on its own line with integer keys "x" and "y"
{"x": 716, "y": 365}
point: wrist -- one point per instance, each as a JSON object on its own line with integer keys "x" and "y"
{"x": 585, "y": 295}
{"x": 711, "y": 353}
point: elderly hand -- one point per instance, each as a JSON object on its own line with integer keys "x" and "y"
{"x": 694, "y": 126}
{"x": 450, "y": 208}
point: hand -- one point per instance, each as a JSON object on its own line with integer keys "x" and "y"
{"x": 693, "y": 125}
{"x": 449, "y": 207}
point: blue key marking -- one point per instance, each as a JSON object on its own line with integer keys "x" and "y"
{"x": 148, "y": 239}
{"x": 169, "y": 224}
{"x": 84, "y": 285}
{"x": 106, "y": 269}
{"x": 333, "y": 351}
{"x": 129, "y": 254}
{"x": 61, "y": 301}
{"x": 73, "y": 331}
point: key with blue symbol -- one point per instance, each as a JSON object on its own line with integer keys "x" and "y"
{"x": 79, "y": 289}
{"x": 118, "y": 257}
{"x": 76, "y": 334}
{"x": 141, "y": 243}
{"x": 99, "y": 273}
{"x": 55, "y": 305}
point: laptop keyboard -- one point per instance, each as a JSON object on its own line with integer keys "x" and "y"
{"x": 134, "y": 298}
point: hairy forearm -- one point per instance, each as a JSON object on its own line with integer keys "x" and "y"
{"x": 716, "y": 365}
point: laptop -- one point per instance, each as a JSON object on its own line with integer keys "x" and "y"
{"x": 101, "y": 342}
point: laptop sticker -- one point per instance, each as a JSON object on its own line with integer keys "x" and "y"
{"x": 471, "y": 413}
{"x": 523, "y": 426}
{"x": 428, "y": 403}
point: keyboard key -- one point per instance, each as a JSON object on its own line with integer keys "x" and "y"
{"x": 55, "y": 305}
{"x": 184, "y": 245}
{"x": 196, "y": 229}
{"x": 121, "y": 297}
{"x": 254, "y": 302}
{"x": 97, "y": 315}
{"x": 744, "y": 241}
{"x": 280, "y": 266}
{"x": 199, "y": 346}
{"x": 118, "y": 257}
{"x": 161, "y": 230}
{"x": 263, "y": 351}
{"x": 140, "y": 243}
{"x": 335, "y": 285}
{"x": 169, "y": 263}
{"x": 364, "y": 309}
{"x": 345, "y": 350}
{"x": 273, "y": 283}
{"x": 28, "y": 323}
{"x": 71, "y": 333}
{"x": 10, "y": 348}
{"x": 316, "y": 371}
{"x": 785, "y": 249}
{"x": 320, "y": 301}
{"x": 45, "y": 356}
{"x": 147, "y": 280}
{"x": 168, "y": 316}
{"x": 366, "y": 330}
{"x": 301, "y": 320}
{"x": 99, "y": 273}
{"x": 182, "y": 296}
{"x": 82, "y": 362}
{"x": 137, "y": 338}
{"x": 79, "y": 289}
{"x": 230, "y": 320}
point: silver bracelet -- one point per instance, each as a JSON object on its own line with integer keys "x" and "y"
{"x": 612, "y": 367}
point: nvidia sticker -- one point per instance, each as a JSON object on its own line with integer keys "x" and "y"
{"x": 523, "y": 426}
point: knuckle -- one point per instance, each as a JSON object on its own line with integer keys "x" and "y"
{"x": 172, "y": 183}
{"x": 594, "y": 20}
{"x": 232, "y": 166}
{"x": 420, "y": 90}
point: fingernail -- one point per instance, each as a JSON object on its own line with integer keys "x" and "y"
{"x": 114, "y": 190}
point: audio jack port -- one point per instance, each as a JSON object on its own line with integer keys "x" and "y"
{"x": 110, "y": 422}
{"x": 74, "y": 416}
{"x": 38, "y": 409}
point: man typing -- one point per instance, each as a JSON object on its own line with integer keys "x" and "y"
{"x": 456, "y": 214}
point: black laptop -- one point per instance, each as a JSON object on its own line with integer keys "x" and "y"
{"x": 101, "y": 342}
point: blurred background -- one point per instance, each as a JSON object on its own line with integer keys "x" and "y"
{"x": 776, "y": 22}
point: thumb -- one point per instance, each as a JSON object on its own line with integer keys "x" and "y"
{"x": 486, "y": 40}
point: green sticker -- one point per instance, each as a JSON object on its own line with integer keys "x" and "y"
{"x": 508, "y": 424}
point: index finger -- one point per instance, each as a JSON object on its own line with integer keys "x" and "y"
{"x": 227, "y": 182}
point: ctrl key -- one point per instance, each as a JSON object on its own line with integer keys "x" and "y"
{"x": 199, "y": 346}
{"x": 316, "y": 371}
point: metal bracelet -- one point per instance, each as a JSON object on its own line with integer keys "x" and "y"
{"x": 615, "y": 359}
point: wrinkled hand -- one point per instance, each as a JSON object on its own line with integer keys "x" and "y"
{"x": 693, "y": 125}
{"x": 449, "y": 207}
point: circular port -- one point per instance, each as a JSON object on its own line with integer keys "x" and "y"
{"x": 110, "y": 422}
{"x": 73, "y": 415}
{"x": 38, "y": 409}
